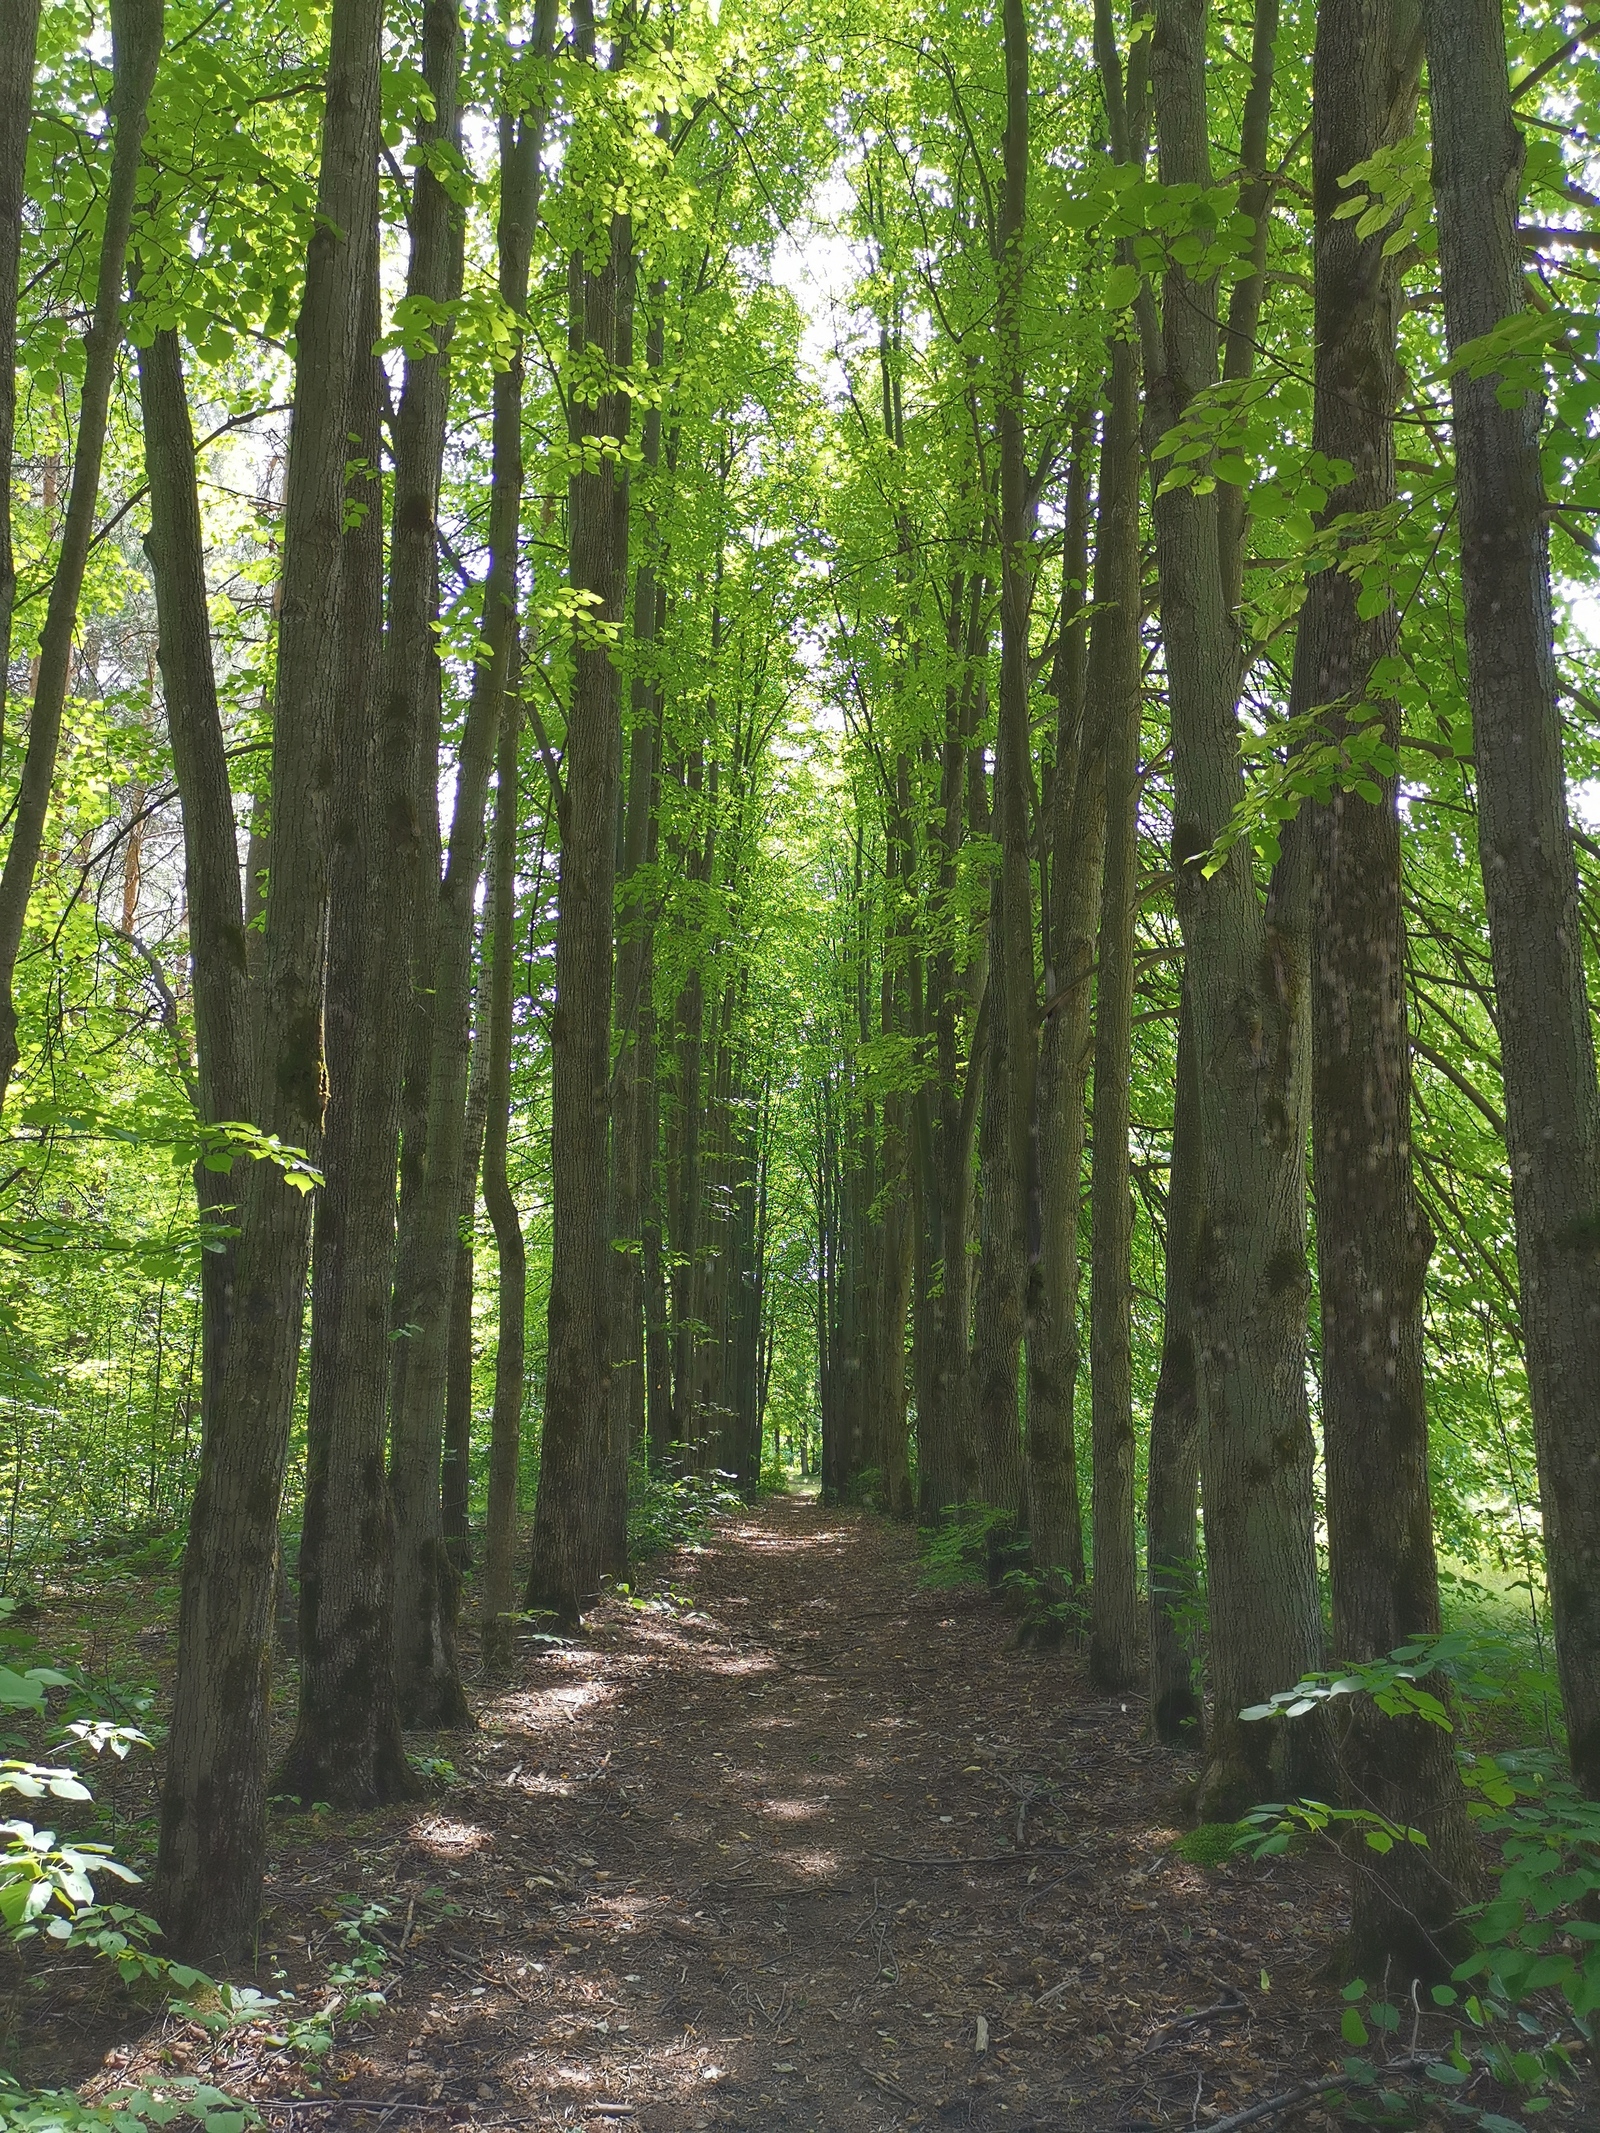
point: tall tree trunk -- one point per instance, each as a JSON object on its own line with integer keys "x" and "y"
{"x": 217, "y": 942}
{"x": 572, "y": 1542}
{"x": 633, "y": 1150}
{"x": 455, "y": 1469}
{"x": 347, "y": 1745}
{"x": 1373, "y": 1240}
{"x": 1114, "y": 1596}
{"x": 1005, "y": 1133}
{"x": 135, "y": 49}
{"x": 1524, "y": 839}
{"x": 426, "y": 1583}
{"x": 1176, "y": 1711}
{"x": 208, "y": 1875}
{"x": 1246, "y": 969}
{"x": 19, "y": 37}
{"x": 1055, "y": 1510}
{"x": 505, "y": 1428}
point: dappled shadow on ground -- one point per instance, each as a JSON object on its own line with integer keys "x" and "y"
{"x": 789, "y": 1843}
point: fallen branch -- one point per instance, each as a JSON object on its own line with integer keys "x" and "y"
{"x": 1232, "y": 2004}
{"x": 1269, "y": 2106}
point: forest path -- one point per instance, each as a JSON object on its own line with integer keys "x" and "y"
{"x": 746, "y": 1855}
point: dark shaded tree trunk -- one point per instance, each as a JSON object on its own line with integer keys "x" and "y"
{"x": 347, "y": 1746}
{"x": 208, "y": 1873}
{"x": 1246, "y": 971}
{"x": 505, "y": 1427}
{"x": 1004, "y": 1134}
{"x": 135, "y": 50}
{"x": 1524, "y": 839}
{"x": 1114, "y": 1595}
{"x": 217, "y": 943}
{"x": 1176, "y": 1710}
{"x": 1373, "y": 1241}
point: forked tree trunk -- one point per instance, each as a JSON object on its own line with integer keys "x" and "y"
{"x": 19, "y": 36}
{"x": 1246, "y": 970}
{"x": 135, "y": 50}
{"x": 347, "y": 1745}
{"x": 1525, "y": 840}
{"x": 208, "y": 1876}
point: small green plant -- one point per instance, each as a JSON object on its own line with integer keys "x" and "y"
{"x": 435, "y": 1770}
{"x": 1212, "y": 1844}
{"x": 1526, "y": 1996}
{"x": 135, "y": 2110}
{"x": 1049, "y": 1612}
{"x": 973, "y": 1544}
{"x": 676, "y": 1510}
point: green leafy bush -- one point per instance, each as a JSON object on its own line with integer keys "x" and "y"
{"x": 676, "y": 1510}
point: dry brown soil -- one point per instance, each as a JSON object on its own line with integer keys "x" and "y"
{"x": 787, "y": 1841}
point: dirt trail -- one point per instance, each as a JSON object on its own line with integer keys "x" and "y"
{"x": 748, "y": 1856}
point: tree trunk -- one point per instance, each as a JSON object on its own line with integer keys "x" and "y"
{"x": 1246, "y": 968}
{"x": 1524, "y": 840}
{"x": 1373, "y": 1241}
{"x": 136, "y": 27}
{"x": 217, "y": 941}
{"x": 505, "y": 1428}
{"x": 455, "y": 1470}
{"x": 1005, "y": 1132}
{"x": 208, "y": 1872}
{"x": 19, "y": 36}
{"x": 1114, "y": 1595}
{"x": 1176, "y": 1711}
{"x": 347, "y": 1745}
{"x": 426, "y": 1584}
{"x": 571, "y": 1540}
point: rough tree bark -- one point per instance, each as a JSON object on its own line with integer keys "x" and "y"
{"x": 1246, "y": 971}
{"x": 212, "y": 1815}
{"x": 347, "y": 1745}
{"x": 1373, "y": 1240}
{"x": 135, "y": 50}
{"x": 1524, "y": 839}
{"x": 1176, "y": 1710}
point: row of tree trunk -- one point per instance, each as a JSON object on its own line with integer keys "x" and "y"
{"x": 1293, "y": 1020}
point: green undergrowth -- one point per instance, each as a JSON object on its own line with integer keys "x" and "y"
{"x": 667, "y": 1511}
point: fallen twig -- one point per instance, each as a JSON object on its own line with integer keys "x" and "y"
{"x": 1232, "y": 2004}
{"x": 1269, "y": 2106}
